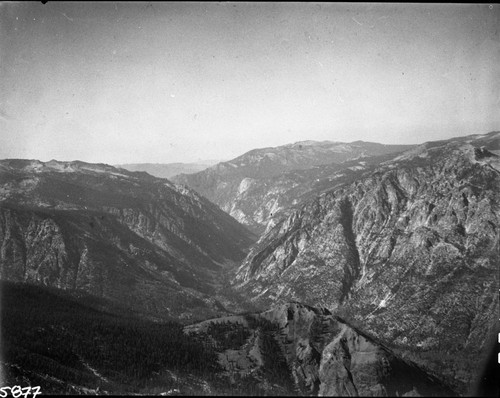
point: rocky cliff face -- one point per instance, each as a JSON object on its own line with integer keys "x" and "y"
{"x": 254, "y": 187}
{"x": 408, "y": 251}
{"x": 130, "y": 237}
{"x": 314, "y": 353}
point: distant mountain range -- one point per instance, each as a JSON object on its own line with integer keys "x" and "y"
{"x": 168, "y": 170}
{"x": 255, "y": 186}
{"x": 371, "y": 270}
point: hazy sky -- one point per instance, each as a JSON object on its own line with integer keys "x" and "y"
{"x": 179, "y": 82}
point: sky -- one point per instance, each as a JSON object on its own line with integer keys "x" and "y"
{"x": 182, "y": 82}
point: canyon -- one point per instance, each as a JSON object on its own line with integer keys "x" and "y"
{"x": 320, "y": 268}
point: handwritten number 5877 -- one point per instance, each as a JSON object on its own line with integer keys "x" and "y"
{"x": 18, "y": 391}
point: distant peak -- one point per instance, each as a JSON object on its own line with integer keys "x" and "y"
{"x": 313, "y": 143}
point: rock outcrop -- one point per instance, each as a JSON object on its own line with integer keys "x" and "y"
{"x": 314, "y": 353}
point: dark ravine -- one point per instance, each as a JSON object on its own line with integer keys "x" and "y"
{"x": 86, "y": 345}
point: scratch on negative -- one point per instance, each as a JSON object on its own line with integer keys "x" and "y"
{"x": 71, "y": 19}
{"x": 355, "y": 20}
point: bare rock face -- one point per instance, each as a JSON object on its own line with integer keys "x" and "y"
{"x": 159, "y": 248}
{"x": 353, "y": 365}
{"x": 314, "y": 353}
{"x": 408, "y": 251}
{"x": 256, "y": 186}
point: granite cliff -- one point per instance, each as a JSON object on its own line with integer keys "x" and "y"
{"x": 296, "y": 349}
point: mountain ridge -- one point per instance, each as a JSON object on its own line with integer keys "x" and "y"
{"x": 168, "y": 170}
{"x": 65, "y": 219}
{"x": 251, "y": 186}
{"x": 414, "y": 235}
